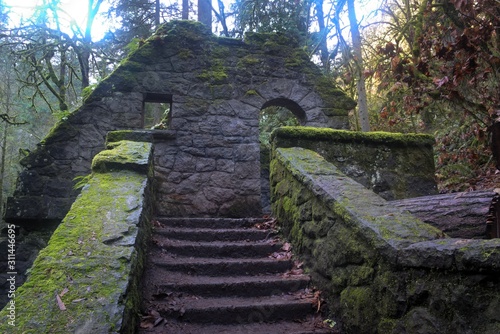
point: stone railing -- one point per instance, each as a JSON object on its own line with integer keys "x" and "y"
{"x": 381, "y": 269}
{"x": 393, "y": 165}
{"x": 86, "y": 279}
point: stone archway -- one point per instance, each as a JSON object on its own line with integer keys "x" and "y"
{"x": 294, "y": 108}
{"x": 284, "y": 112}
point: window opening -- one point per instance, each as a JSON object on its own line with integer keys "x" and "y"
{"x": 157, "y": 111}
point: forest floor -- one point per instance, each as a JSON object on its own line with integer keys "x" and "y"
{"x": 488, "y": 180}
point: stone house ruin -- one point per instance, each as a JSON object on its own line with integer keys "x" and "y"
{"x": 383, "y": 270}
{"x": 207, "y": 155}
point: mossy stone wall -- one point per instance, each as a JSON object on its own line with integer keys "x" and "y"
{"x": 216, "y": 88}
{"x": 393, "y": 165}
{"x": 381, "y": 269}
{"x": 94, "y": 259}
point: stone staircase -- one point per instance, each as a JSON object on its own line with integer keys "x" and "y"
{"x": 219, "y": 275}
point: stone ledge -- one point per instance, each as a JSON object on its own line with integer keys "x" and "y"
{"x": 381, "y": 270}
{"x": 393, "y": 165}
{"x": 388, "y": 228}
{"x": 318, "y": 134}
{"x": 148, "y": 136}
{"x": 123, "y": 155}
{"x": 92, "y": 262}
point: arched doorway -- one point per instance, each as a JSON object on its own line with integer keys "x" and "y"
{"x": 274, "y": 114}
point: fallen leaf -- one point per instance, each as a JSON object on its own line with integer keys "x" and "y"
{"x": 147, "y": 323}
{"x": 78, "y": 300}
{"x": 60, "y": 303}
{"x": 65, "y": 290}
{"x": 158, "y": 321}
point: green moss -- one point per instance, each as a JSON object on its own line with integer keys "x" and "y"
{"x": 93, "y": 274}
{"x": 220, "y": 52}
{"x": 359, "y": 306}
{"x": 297, "y": 59}
{"x": 61, "y": 131}
{"x": 332, "y": 135}
{"x": 251, "y": 92}
{"x": 132, "y": 66}
{"x": 184, "y": 30}
{"x": 123, "y": 155}
{"x": 271, "y": 40}
{"x": 386, "y": 325}
{"x": 186, "y": 54}
{"x": 248, "y": 61}
{"x": 214, "y": 76}
{"x": 332, "y": 96}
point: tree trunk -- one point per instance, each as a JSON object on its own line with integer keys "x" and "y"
{"x": 459, "y": 215}
{"x": 222, "y": 18}
{"x": 323, "y": 48}
{"x": 85, "y": 50}
{"x": 495, "y": 142}
{"x": 205, "y": 12}
{"x": 6, "y": 108}
{"x": 157, "y": 14}
{"x": 185, "y": 9}
{"x": 358, "y": 61}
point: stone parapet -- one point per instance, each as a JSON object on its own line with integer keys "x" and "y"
{"x": 86, "y": 279}
{"x": 381, "y": 269}
{"x": 393, "y": 165}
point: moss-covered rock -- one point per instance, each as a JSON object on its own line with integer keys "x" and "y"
{"x": 123, "y": 155}
{"x": 394, "y": 165}
{"x": 334, "y": 135}
{"x": 86, "y": 279}
{"x": 380, "y": 270}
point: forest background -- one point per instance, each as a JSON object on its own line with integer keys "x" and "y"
{"x": 424, "y": 66}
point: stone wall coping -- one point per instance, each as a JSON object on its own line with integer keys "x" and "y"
{"x": 86, "y": 279}
{"x": 140, "y": 135}
{"x": 123, "y": 155}
{"x": 365, "y": 138}
{"x": 404, "y": 239}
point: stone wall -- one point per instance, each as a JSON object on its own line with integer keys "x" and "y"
{"x": 45, "y": 188}
{"x": 86, "y": 279}
{"x": 381, "y": 269}
{"x": 215, "y": 88}
{"x": 393, "y": 165}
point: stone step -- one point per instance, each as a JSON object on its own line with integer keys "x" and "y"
{"x": 215, "y": 223}
{"x": 216, "y": 249}
{"x": 236, "y": 310}
{"x": 216, "y": 275}
{"x": 222, "y": 267}
{"x": 211, "y": 234}
{"x": 312, "y": 325}
{"x": 238, "y": 286}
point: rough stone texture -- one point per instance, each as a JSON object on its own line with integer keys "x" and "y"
{"x": 381, "y": 269}
{"x": 393, "y": 165}
{"x": 28, "y": 244}
{"x": 94, "y": 259}
{"x": 216, "y": 88}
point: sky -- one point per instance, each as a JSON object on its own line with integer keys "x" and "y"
{"x": 77, "y": 10}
